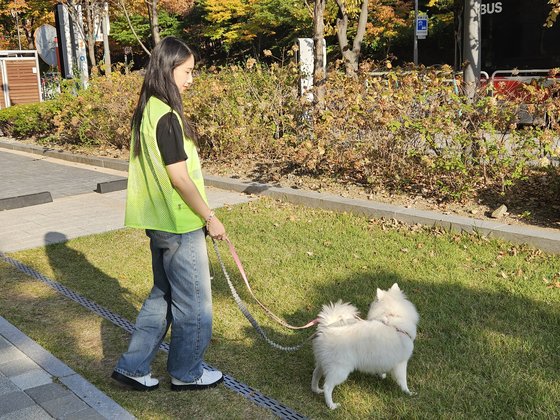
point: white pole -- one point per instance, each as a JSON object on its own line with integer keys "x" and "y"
{"x": 105, "y": 26}
{"x": 16, "y": 15}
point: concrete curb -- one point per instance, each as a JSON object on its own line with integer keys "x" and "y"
{"x": 11, "y": 203}
{"x": 542, "y": 238}
{"x": 110, "y": 186}
{"x": 545, "y": 239}
{"x": 110, "y": 163}
{"x": 83, "y": 389}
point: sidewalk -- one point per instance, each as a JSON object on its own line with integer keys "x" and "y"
{"x": 36, "y": 385}
{"x": 75, "y": 210}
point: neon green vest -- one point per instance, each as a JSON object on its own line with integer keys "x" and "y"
{"x": 151, "y": 201}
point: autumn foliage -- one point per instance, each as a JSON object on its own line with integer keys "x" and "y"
{"x": 405, "y": 130}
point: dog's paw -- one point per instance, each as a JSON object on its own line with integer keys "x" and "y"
{"x": 382, "y": 375}
{"x": 410, "y": 393}
{"x": 333, "y": 406}
{"x": 317, "y": 390}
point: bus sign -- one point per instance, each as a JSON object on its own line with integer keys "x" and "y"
{"x": 422, "y": 26}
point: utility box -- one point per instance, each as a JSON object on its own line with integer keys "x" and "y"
{"x": 20, "y": 81}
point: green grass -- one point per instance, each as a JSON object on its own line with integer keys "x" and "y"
{"x": 488, "y": 339}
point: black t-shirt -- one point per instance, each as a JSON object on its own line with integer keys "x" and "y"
{"x": 169, "y": 137}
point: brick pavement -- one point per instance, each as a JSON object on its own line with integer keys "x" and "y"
{"x": 36, "y": 385}
{"x": 22, "y": 173}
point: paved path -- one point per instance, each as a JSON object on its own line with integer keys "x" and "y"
{"x": 75, "y": 210}
{"x": 36, "y": 385}
{"x": 28, "y": 174}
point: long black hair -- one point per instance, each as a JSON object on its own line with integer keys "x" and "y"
{"x": 168, "y": 54}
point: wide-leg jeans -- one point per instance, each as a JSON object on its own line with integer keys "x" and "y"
{"x": 181, "y": 298}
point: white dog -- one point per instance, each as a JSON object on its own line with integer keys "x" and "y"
{"x": 382, "y": 343}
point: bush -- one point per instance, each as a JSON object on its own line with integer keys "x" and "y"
{"x": 408, "y": 130}
{"x": 414, "y": 131}
{"x": 29, "y": 120}
{"x": 245, "y": 111}
{"x": 99, "y": 115}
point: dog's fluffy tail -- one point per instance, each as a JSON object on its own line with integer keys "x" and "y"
{"x": 338, "y": 314}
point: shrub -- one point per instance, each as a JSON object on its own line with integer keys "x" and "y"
{"x": 407, "y": 130}
{"x": 245, "y": 111}
{"x": 99, "y": 115}
{"x": 413, "y": 130}
{"x": 29, "y": 120}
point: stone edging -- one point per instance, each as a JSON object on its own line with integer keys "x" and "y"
{"x": 76, "y": 383}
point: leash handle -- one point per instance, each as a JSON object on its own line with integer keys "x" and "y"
{"x": 268, "y": 311}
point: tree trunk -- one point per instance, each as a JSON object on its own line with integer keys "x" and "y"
{"x": 154, "y": 23}
{"x": 28, "y": 29}
{"x": 471, "y": 47}
{"x": 90, "y": 36}
{"x": 319, "y": 75}
{"x": 350, "y": 55}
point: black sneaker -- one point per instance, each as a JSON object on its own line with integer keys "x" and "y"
{"x": 139, "y": 383}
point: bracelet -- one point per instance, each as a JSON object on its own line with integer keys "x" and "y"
{"x": 210, "y": 217}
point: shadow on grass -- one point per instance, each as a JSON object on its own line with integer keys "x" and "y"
{"x": 66, "y": 262}
{"x": 480, "y": 353}
{"x": 91, "y": 345}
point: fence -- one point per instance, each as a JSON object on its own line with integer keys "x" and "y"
{"x": 20, "y": 81}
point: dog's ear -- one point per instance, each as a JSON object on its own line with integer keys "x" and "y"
{"x": 395, "y": 286}
{"x": 380, "y": 293}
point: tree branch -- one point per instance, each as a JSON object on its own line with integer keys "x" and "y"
{"x": 121, "y": 3}
{"x": 362, "y": 22}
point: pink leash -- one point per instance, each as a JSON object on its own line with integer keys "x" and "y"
{"x": 268, "y": 311}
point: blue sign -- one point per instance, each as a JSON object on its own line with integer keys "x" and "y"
{"x": 422, "y": 26}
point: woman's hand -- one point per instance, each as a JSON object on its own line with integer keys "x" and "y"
{"x": 216, "y": 229}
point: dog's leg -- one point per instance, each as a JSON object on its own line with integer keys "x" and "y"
{"x": 317, "y": 375}
{"x": 399, "y": 375}
{"x": 332, "y": 380}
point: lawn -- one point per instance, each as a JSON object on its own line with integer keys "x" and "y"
{"x": 488, "y": 337}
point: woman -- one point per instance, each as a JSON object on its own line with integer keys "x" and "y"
{"x": 166, "y": 197}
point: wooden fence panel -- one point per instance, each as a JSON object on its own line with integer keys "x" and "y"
{"x": 22, "y": 82}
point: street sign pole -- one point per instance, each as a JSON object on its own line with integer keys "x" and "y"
{"x": 420, "y": 29}
{"x": 415, "y": 28}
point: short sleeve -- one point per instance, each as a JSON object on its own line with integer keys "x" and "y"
{"x": 169, "y": 136}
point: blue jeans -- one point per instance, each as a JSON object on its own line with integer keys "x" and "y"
{"x": 181, "y": 298}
